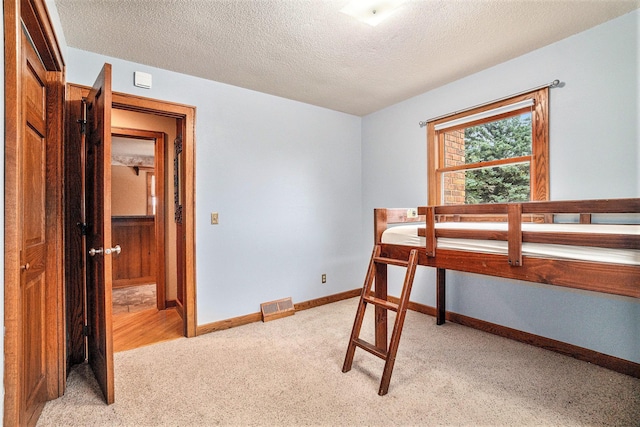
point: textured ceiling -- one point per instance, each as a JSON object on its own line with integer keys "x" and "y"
{"x": 308, "y": 51}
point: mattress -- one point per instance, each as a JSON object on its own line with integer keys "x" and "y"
{"x": 408, "y": 235}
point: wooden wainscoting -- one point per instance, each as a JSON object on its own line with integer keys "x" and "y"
{"x": 136, "y": 264}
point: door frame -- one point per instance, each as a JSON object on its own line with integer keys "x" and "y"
{"x": 34, "y": 15}
{"x": 160, "y": 168}
{"x": 185, "y": 115}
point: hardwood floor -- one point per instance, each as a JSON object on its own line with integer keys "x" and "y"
{"x": 137, "y": 322}
{"x": 133, "y": 330}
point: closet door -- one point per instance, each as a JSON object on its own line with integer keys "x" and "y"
{"x": 34, "y": 243}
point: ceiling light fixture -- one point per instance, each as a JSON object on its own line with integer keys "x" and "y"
{"x": 371, "y": 12}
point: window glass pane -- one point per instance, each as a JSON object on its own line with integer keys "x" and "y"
{"x": 500, "y": 184}
{"x": 500, "y": 139}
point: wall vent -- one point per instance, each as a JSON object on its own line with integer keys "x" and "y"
{"x": 276, "y": 309}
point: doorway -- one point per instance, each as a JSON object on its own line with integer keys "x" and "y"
{"x": 145, "y": 283}
{"x": 138, "y": 219}
{"x": 182, "y": 125}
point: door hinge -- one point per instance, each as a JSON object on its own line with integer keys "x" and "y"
{"x": 83, "y": 120}
{"x": 83, "y": 228}
{"x": 83, "y": 126}
{"x": 85, "y": 330}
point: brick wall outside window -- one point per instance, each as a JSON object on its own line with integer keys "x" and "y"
{"x": 454, "y": 182}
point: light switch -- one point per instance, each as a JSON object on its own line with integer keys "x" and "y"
{"x": 214, "y": 218}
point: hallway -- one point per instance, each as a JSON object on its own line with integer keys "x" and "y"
{"x": 137, "y": 322}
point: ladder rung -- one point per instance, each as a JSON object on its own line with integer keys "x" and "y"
{"x": 381, "y": 303}
{"x": 391, "y": 261}
{"x": 370, "y": 348}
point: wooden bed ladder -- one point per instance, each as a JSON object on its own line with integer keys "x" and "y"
{"x": 380, "y": 350}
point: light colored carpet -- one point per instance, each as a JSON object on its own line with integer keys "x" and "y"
{"x": 288, "y": 372}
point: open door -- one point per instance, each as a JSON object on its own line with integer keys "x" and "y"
{"x": 98, "y": 217}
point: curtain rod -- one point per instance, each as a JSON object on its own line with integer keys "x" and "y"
{"x": 555, "y": 83}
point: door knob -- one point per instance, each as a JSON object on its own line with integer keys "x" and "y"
{"x": 94, "y": 252}
{"x": 116, "y": 249}
{"x": 25, "y": 267}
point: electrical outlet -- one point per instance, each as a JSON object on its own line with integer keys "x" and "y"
{"x": 324, "y": 278}
{"x": 412, "y": 213}
{"x": 214, "y": 218}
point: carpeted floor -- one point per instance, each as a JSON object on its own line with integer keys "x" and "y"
{"x": 288, "y": 372}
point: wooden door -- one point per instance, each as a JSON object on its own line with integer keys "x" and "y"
{"x": 98, "y": 217}
{"x": 34, "y": 244}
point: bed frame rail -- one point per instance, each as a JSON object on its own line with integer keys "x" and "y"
{"x": 514, "y": 215}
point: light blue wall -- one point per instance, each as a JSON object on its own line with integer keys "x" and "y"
{"x": 594, "y": 144}
{"x": 284, "y": 177}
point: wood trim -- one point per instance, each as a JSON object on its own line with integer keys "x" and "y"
{"x": 610, "y": 362}
{"x": 432, "y": 164}
{"x": 539, "y": 172}
{"x": 187, "y": 114}
{"x": 35, "y": 15}
{"x": 228, "y": 323}
{"x": 188, "y": 220}
{"x": 606, "y": 361}
{"x": 257, "y": 317}
{"x": 129, "y": 102}
{"x": 305, "y": 305}
{"x": 416, "y": 306}
{"x": 12, "y": 88}
{"x": 539, "y": 169}
{"x": 489, "y": 163}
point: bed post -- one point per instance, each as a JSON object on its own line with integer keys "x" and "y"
{"x": 441, "y": 274}
{"x": 514, "y": 214}
{"x": 430, "y": 230}
{"x": 380, "y": 224}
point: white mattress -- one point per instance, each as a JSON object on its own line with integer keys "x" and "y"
{"x": 408, "y": 235}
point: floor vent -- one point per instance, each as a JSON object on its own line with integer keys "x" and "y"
{"x": 277, "y": 309}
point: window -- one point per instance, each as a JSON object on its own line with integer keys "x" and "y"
{"x": 495, "y": 153}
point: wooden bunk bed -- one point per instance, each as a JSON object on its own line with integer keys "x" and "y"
{"x": 567, "y": 243}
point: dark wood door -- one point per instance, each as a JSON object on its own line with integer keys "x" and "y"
{"x": 98, "y": 217}
{"x": 34, "y": 245}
